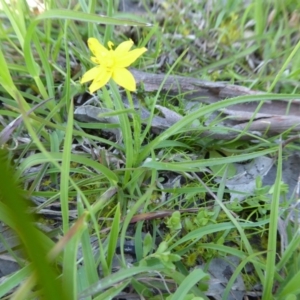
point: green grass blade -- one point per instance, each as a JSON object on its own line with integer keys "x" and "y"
{"x": 89, "y": 269}
{"x": 113, "y": 291}
{"x": 65, "y": 171}
{"x": 36, "y": 250}
{"x": 291, "y": 288}
{"x": 113, "y": 237}
{"x": 197, "y": 234}
{"x": 117, "y": 277}
{"x": 13, "y": 280}
{"x": 40, "y": 158}
{"x": 203, "y": 111}
{"x": 272, "y": 237}
{"x": 195, "y": 276}
{"x": 69, "y": 274}
{"x": 126, "y": 131}
{"x": 196, "y": 165}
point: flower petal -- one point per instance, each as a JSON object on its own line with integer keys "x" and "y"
{"x": 125, "y": 60}
{"x": 124, "y": 79}
{"x": 96, "y": 48}
{"x": 124, "y": 47}
{"x": 100, "y": 80}
{"x": 90, "y": 74}
{"x": 110, "y": 45}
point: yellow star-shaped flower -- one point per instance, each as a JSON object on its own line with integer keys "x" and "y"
{"x": 112, "y": 64}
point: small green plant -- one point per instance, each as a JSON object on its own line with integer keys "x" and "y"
{"x": 174, "y": 222}
{"x": 165, "y": 256}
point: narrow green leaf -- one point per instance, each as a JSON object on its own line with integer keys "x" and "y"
{"x": 272, "y": 236}
{"x": 196, "y": 165}
{"x": 65, "y": 170}
{"x": 147, "y": 244}
{"x": 40, "y": 158}
{"x": 117, "y": 277}
{"x": 23, "y": 223}
{"x": 195, "y": 276}
{"x": 69, "y": 274}
{"x": 113, "y": 237}
{"x": 292, "y": 287}
{"x": 206, "y": 110}
{"x": 12, "y": 281}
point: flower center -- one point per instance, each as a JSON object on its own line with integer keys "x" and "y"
{"x": 108, "y": 60}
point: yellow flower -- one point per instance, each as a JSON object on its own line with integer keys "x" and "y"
{"x": 111, "y": 64}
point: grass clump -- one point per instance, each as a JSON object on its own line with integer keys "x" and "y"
{"x": 111, "y": 206}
